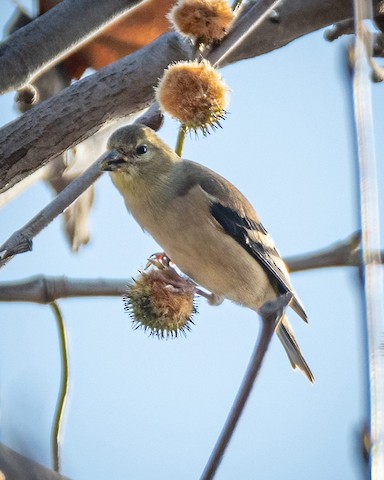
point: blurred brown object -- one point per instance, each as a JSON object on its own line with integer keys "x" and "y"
{"x": 138, "y": 28}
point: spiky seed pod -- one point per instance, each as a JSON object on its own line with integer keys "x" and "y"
{"x": 193, "y": 93}
{"x": 205, "y": 21}
{"x": 161, "y": 302}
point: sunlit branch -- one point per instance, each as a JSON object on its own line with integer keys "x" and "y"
{"x": 369, "y": 218}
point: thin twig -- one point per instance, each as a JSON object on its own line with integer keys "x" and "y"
{"x": 236, "y": 4}
{"x": 271, "y": 313}
{"x": 64, "y": 388}
{"x": 369, "y": 218}
{"x": 21, "y": 240}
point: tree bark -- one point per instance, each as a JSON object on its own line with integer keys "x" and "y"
{"x": 14, "y": 466}
{"x": 37, "y": 46}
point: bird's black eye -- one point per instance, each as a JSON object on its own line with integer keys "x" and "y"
{"x": 141, "y": 149}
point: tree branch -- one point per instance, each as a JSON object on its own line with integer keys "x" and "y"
{"x": 42, "y": 289}
{"x": 290, "y": 20}
{"x": 27, "y": 52}
{"x": 342, "y": 254}
{"x": 271, "y": 313}
{"x": 372, "y": 274}
{"x": 17, "y": 467}
{"x": 21, "y": 240}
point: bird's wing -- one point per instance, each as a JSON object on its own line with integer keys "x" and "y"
{"x": 236, "y": 216}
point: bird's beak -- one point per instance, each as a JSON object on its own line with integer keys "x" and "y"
{"x": 112, "y": 161}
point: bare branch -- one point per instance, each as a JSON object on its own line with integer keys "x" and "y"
{"x": 21, "y": 240}
{"x": 42, "y": 289}
{"x": 342, "y": 254}
{"x": 345, "y": 27}
{"x": 27, "y": 53}
{"x": 370, "y": 227}
{"x": 17, "y": 467}
{"x": 271, "y": 313}
{"x": 289, "y": 21}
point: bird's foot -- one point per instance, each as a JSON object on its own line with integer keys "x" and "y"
{"x": 211, "y": 298}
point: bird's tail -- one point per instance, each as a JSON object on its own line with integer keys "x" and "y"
{"x": 285, "y": 333}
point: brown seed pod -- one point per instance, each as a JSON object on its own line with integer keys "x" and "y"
{"x": 161, "y": 302}
{"x": 193, "y": 93}
{"x": 205, "y": 21}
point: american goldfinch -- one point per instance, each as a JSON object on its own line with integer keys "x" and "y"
{"x": 203, "y": 223}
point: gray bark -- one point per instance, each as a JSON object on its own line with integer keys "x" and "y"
{"x": 27, "y": 52}
{"x": 43, "y": 289}
{"x": 17, "y": 467}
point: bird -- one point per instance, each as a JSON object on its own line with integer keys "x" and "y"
{"x": 205, "y": 225}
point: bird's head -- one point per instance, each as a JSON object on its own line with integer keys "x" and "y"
{"x": 137, "y": 152}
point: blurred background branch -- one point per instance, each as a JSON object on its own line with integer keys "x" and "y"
{"x": 18, "y": 467}
{"x": 29, "y": 44}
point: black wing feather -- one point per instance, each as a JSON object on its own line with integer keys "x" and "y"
{"x": 237, "y": 227}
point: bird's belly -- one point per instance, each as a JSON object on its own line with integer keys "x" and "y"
{"x": 218, "y": 263}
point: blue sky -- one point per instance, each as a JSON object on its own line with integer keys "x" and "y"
{"x": 142, "y": 408}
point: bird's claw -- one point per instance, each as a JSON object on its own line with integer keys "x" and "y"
{"x": 159, "y": 260}
{"x": 211, "y": 298}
